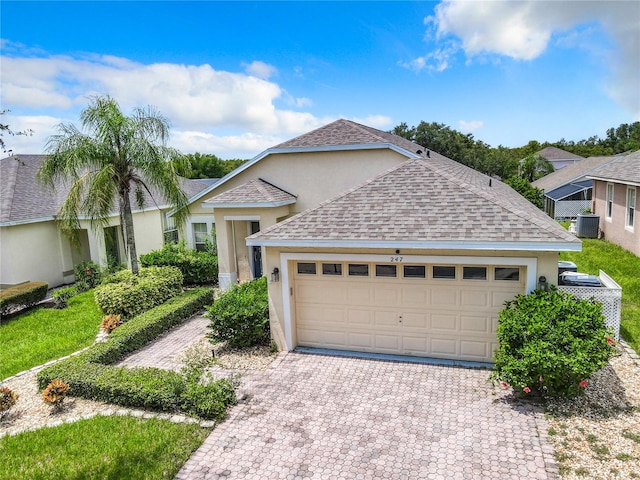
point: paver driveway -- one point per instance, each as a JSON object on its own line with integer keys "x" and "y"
{"x": 320, "y": 417}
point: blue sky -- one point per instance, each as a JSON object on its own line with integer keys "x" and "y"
{"x": 235, "y": 78}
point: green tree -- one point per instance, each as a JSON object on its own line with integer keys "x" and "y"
{"x": 117, "y": 156}
{"x": 528, "y": 191}
{"x": 533, "y": 167}
{"x": 210, "y": 166}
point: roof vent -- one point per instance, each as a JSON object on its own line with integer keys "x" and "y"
{"x": 428, "y": 154}
{"x": 419, "y": 152}
{"x": 489, "y": 182}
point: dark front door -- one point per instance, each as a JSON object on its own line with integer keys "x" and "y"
{"x": 256, "y": 252}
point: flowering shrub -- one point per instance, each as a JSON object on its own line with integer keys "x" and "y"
{"x": 87, "y": 275}
{"x": 55, "y": 393}
{"x": 111, "y": 322}
{"x": 551, "y": 343}
{"x": 8, "y": 399}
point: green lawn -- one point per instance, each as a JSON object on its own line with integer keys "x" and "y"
{"x": 44, "y": 334}
{"x": 101, "y": 448}
{"x": 624, "y": 268}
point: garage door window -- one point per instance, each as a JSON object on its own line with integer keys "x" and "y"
{"x": 332, "y": 269}
{"x": 507, "y": 273}
{"x": 414, "y": 271}
{"x": 358, "y": 270}
{"x": 386, "y": 271}
{"x": 474, "y": 273}
{"x": 307, "y": 268}
{"x": 444, "y": 272}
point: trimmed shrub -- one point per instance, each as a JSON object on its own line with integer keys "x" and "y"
{"x": 129, "y": 295}
{"x": 240, "y": 316}
{"x": 91, "y": 375}
{"x": 8, "y": 399}
{"x": 22, "y": 296}
{"x": 550, "y": 343}
{"x": 197, "y": 267}
{"x": 62, "y": 296}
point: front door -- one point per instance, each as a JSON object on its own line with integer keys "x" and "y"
{"x": 256, "y": 252}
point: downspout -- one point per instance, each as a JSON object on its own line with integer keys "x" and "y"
{"x": 235, "y": 255}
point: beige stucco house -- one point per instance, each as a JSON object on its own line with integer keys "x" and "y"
{"x": 372, "y": 243}
{"x": 33, "y": 249}
{"x": 616, "y": 187}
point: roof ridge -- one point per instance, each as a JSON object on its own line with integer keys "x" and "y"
{"x": 365, "y": 129}
{"x": 277, "y": 187}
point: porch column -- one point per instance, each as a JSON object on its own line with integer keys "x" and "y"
{"x": 227, "y": 269}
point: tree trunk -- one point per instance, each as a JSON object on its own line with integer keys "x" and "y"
{"x": 125, "y": 206}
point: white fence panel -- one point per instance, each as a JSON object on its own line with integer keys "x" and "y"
{"x": 610, "y": 296}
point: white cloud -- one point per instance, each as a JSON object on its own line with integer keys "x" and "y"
{"x": 470, "y": 126}
{"x": 244, "y": 145}
{"x": 191, "y": 96}
{"x": 523, "y": 30}
{"x": 260, "y": 69}
{"x": 375, "y": 121}
{"x": 41, "y": 127}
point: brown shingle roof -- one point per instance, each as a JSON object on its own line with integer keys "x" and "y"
{"x": 624, "y": 169}
{"x": 346, "y": 132}
{"x": 256, "y": 191}
{"x": 422, "y": 201}
{"x": 571, "y": 173}
{"x": 24, "y": 199}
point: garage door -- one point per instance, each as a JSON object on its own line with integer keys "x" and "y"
{"x": 435, "y": 310}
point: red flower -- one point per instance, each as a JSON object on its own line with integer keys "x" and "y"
{"x": 541, "y": 379}
{"x": 88, "y": 271}
{"x": 583, "y": 384}
{"x": 526, "y": 390}
{"x": 610, "y": 341}
{"x": 504, "y": 384}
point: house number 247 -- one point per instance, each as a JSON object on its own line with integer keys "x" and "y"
{"x": 396, "y": 259}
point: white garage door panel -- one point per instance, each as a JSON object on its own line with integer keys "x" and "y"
{"x": 453, "y": 319}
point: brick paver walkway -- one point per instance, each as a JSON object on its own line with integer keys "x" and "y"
{"x": 163, "y": 352}
{"x": 326, "y": 417}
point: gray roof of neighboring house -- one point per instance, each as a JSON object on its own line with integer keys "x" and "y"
{"x": 255, "y": 192}
{"x": 23, "y": 199}
{"x": 624, "y": 169}
{"x": 420, "y": 203}
{"x": 555, "y": 153}
{"x": 571, "y": 173}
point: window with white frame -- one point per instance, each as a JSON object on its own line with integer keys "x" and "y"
{"x": 609, "y": 200}
{"x": 631, "y": 206}
{"x": 200, "y": 236}
{"x": 170, "y": 230}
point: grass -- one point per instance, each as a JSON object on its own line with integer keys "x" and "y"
{"x": 42, "y": 334}
{"x": 100, "y": 448}
{"x": 624, "y": 268}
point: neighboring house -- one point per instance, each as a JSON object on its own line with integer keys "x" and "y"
{"x": 559, "y": 158}
{"x": 568, "y": 191}
{"x": 33, "y": 249}
{"x": 372, "y": 243}
{"x": 616, "y": 191}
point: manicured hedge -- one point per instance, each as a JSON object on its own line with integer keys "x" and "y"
{"x": 197, "y": 267}
{"x": 22, "y": 296}
{"x": 128, "y": 295}
{"x": 91, "y": 374}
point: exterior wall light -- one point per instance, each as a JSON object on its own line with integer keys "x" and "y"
{"x": 275, "y": 275}
{"x": 542, "y": 283}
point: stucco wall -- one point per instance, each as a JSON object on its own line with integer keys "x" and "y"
{"x": 313, "y": 177}
{"x": 614, "y": 228}
{"x": 546, "y": 264}
{"x": 34, "y": 252}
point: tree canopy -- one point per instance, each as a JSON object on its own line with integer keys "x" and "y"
{"x": 210, "y": 166}
{"x": 115, "y": 158}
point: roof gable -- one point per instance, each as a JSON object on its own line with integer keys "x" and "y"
{"x": 421, "y": 203}
{"x": 555, "y": 153}
{"x": 339, "y": 135}
{"x": 253, "y": 193}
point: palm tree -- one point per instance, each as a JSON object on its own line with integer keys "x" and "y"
{"x": 116, "y": 156}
